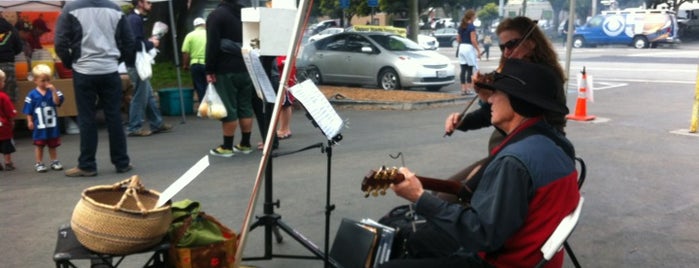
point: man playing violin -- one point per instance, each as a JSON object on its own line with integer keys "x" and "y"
{"x": 525, "y": 187}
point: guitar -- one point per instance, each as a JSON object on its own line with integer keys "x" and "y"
{"x": 377, "y": 181}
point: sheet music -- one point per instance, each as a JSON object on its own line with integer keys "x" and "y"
{"x": 260, "y": 79}
{"x": 318, "y": 107}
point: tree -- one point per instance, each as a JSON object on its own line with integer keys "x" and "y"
{"x": 356, "y": 7}
{"x": 582, "y": 9}
{"x": 487, "y": 15}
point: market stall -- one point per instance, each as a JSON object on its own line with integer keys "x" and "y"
{"x": 46, "y": 12}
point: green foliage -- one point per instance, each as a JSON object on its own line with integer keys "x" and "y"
{"x": 394, "y": 6}
{"x": 357, "y": 7}
{"x": 488, "y": 14}
{"x": 165, "y": 76}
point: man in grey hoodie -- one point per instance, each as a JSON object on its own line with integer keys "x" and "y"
{"x": 92, "y": 37}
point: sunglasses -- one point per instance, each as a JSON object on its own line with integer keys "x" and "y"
{"x": 510, "y": 44}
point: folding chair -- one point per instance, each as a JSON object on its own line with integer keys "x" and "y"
{"x": 559, "y": 236}
{"x": 581, "y": 179}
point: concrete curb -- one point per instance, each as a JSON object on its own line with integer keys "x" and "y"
{"x": 386, "y": 105}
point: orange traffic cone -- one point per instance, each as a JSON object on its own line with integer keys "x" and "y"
{"x": 581, "y": 105}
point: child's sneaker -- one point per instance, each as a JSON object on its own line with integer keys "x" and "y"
{"x": 242, "y": 149}
{"x": 56, "y": 165}
{"x": 222, "y": 152}
{"x": 40, "y": 167}
{"x": 9, "y": 167}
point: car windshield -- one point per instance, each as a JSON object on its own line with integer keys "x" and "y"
{"x": 395, "y": 42}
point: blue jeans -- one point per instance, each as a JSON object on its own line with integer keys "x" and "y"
{"x": 198, "y": 72}
{"x": 106, "y": 88}
{"x": 142, "y": 103}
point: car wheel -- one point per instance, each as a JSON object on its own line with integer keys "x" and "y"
{"x": 578, "y": 42}
{"x": 314, "y": 74}
{"x": 454, "y": 43}
{"x": 388, "y": 79}
{"x": 640, "y": 42}
{"x": 434, "y": 88}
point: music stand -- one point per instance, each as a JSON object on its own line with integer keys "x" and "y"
{"x": 272, "y": 221}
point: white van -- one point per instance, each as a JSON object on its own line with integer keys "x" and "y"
{"x": 639, "y": 28}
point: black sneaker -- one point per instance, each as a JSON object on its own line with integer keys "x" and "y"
{"x": 242, "y": 149}
{"x": 222, "y": 152}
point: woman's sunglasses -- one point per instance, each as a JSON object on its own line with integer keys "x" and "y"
{"x": 510, "y": 44}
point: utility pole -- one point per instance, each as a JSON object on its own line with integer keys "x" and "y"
{"x": 594, "y": 8}
{"x": 569, "y": 37}
{"x": 501, "y": 9}
{"x": 414, "y": 28}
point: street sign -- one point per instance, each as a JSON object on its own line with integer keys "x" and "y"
{"x": 373, "y": 3}
{"x": 344, "y": 3}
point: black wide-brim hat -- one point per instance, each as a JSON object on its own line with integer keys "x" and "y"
{"x": 533, "y": 83}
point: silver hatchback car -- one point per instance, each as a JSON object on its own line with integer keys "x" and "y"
{"x": 375, "y": 58}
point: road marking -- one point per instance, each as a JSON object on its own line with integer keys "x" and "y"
{"x": 597, "y": 86}
{"x": 597, "y": 120}
{"x": 677, "y": 53}
{"x": 684, "y": 132}
{"x": 592, "y": 68}
{"x": 649, "y": 81}
{"x": 607, "y": 85}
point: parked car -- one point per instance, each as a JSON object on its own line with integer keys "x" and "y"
{"x": 320, "y": 26}
{"x": 325, "y": 33}
{"x": 439, "y": 23}
{"x": 375, "y": 58}
{"x": 446, "y": 37}
{"x": 427, "y": 42}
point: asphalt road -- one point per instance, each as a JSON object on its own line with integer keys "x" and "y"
{"x": 640, "y": 204}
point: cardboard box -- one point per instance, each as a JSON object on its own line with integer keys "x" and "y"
{"x": 69, "y": 108}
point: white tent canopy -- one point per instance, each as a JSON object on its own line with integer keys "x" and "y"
{"x": 45, "y": 5}
{"x": 31, "y": 5}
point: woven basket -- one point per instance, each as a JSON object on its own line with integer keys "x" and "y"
{"x": 120, "y": 219}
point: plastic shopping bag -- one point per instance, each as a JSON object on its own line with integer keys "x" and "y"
{"x": 211, "y": 105}
{"x": 143, "y": 63}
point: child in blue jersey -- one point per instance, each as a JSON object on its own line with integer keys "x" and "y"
{"x": 40, "y": 106}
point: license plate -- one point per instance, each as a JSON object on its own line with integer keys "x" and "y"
{"x": 441, "y": 74}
